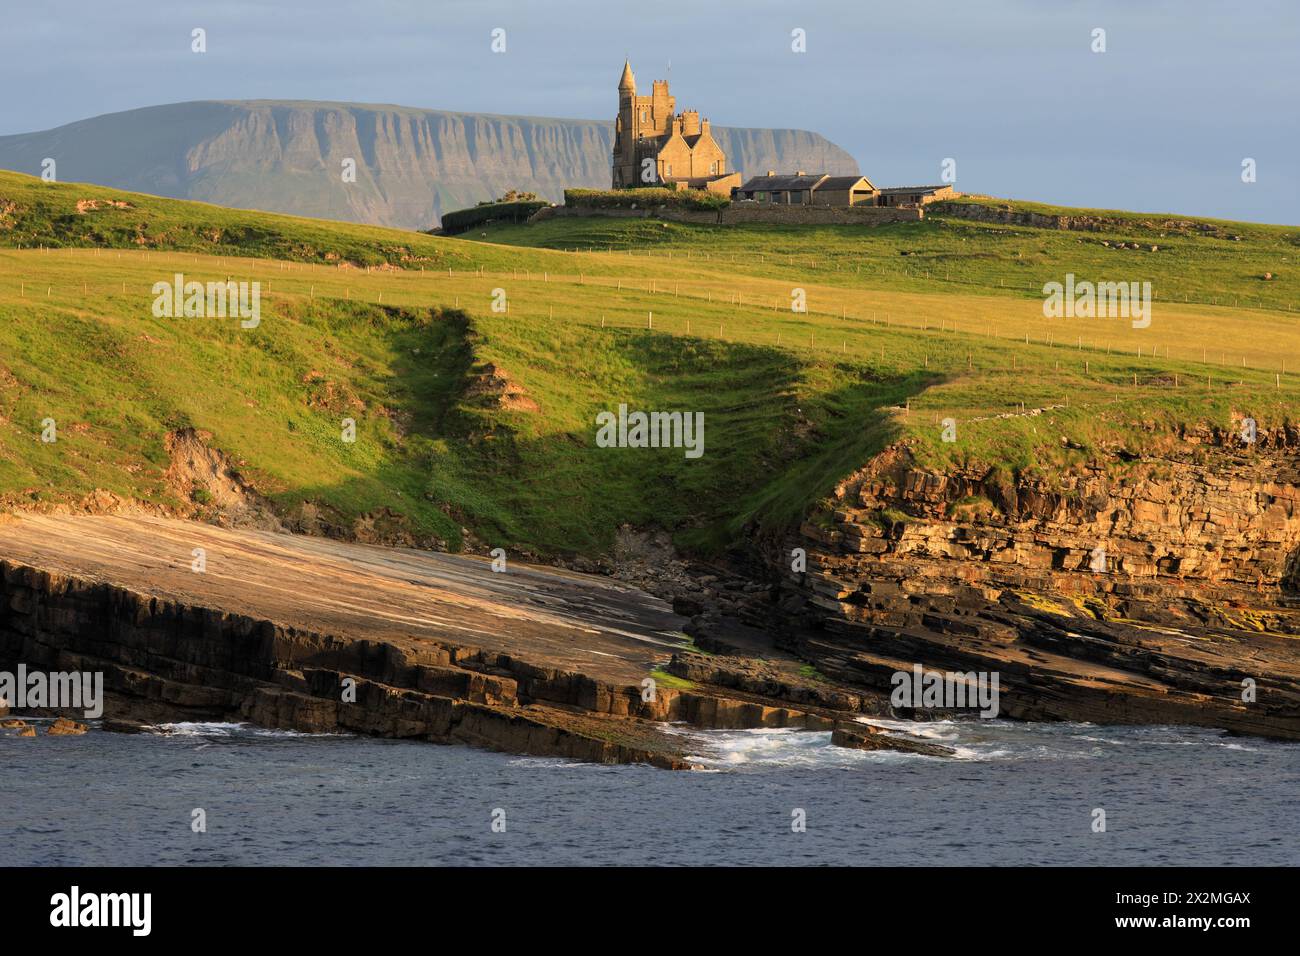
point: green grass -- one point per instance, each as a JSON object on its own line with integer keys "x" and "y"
{"x": 664, "y": 679}
{"x": 793, "y": 402}
{"x": 945, "y": 254}
{"x": 809, "y": 672}
{"x": 115, "y": 380}
{"x": 39, "y": 215}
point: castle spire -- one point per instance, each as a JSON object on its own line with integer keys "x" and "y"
{"x": 627, "y": 81}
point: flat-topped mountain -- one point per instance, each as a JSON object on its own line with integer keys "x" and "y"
{"x": 411, "y": 164}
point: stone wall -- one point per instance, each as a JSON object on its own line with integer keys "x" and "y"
{"x": 736, "y": 214}
{"x": 1008, "y": 215}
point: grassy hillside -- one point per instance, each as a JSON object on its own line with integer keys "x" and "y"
{"x": 468, "y": 417}
{"x": 35, "y": 214}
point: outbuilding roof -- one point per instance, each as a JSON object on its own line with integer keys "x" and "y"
{"x": 843, "y": 182}
{"x": 915, "y": 189}
{"x": 782, "y": 183}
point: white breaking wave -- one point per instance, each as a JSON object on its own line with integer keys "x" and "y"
{"x": 783, "y": 747}
{"x": 554, "y": 763}
{"x": 775, "y": 747}
{"x": 227, "y": 729}
{"x": 970, "y": 740}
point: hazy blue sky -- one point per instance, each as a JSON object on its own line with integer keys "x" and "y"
{"x": 1009, "y": 88}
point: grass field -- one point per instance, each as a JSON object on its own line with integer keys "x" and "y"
{"x": 948, "y": 255}
{"x": 396, "y": 330}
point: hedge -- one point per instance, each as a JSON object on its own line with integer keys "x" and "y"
{"x": 649, "y": 198}
{"x": 460, "y": 220}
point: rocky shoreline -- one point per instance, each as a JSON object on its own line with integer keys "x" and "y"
{"x": 1165, "y": 595}
{"x": 1194, "y": 619}
{"x": 566, "y": 665}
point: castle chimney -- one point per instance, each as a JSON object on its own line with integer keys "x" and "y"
{"x": 771, "y": 172}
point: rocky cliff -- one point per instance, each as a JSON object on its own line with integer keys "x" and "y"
{"x": 1158, "y": 591}
{"x": 411, "y": 164}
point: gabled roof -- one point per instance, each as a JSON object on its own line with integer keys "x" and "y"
{"x": 699, "y": 180}
{"x": 916, "y": 189}
{"x": 661, "y": 142}
{"x": 782, "y": 183}
{"x": 844, "y": 182}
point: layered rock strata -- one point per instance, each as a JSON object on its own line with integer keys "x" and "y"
{"x": 192, "y": 622}
{"x": 1162, "y": 592}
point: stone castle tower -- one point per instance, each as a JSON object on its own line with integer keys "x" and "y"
{"x": 654, "y": 145}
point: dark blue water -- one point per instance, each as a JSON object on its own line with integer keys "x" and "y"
{"x": 1018, "y": 794}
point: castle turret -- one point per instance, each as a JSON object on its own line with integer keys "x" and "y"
{"x": 625, "y": 129}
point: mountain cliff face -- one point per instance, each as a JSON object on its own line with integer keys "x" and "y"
{"x": 411, "y": 164}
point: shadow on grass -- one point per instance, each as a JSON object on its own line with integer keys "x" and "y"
{"x": 780, "y": 431}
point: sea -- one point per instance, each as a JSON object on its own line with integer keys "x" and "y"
{"x": 1014, "y": 794}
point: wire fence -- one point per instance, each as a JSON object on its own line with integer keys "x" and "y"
{"x": 919, "y": 342}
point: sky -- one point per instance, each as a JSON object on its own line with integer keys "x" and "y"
{"x": 1012, "y": 90}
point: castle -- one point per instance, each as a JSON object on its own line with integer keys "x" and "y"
{"x": 654, "y": 145}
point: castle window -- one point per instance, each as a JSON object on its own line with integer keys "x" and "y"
{"x": 643, "y": 116}
{"x": 669, "y": 169}
{"x": 713, "y": 168}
